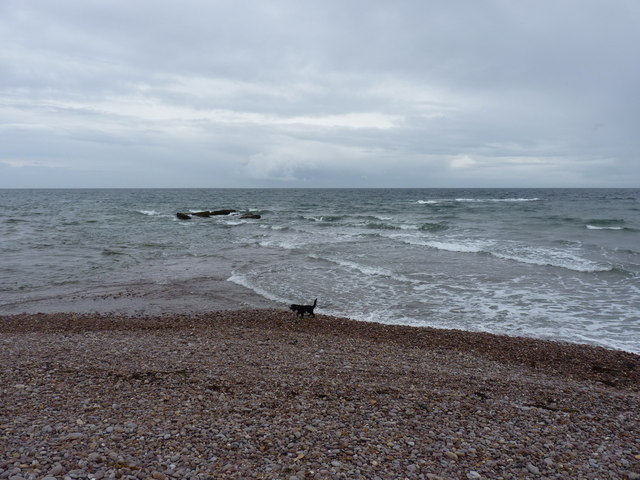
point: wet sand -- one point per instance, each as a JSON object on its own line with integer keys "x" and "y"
{"x": 263, "y": 394}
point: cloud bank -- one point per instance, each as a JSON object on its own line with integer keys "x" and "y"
{"x": 108, "y": 93}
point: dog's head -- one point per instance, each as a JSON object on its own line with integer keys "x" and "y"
{"x": 292, "y": 307}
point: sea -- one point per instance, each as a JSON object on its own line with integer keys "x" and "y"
{"x": 560, "y": 264}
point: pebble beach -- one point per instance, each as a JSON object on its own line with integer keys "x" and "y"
{"x": 264, "y": 394}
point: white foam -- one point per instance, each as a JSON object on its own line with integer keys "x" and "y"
{"x": 475, "y": 247}
{"x": 517, "y": 253}
{"x": 243, "y": 281}
{"x": 323, "y": 218}
{"x": 286, "y": 244}
{"x": 363, "y": 268}
{"x": 593, "y": 227}
{"x": 552, "y": 258}
{"x": 477, "y": 200}
{"x": 151, "y": 213}
{"x": 450, "y": 246}
{"x": 274, "y": 227}
{"x": 367, "y": 270}
{"x": 495, "y": 200}
{"x": 536, "y": 199}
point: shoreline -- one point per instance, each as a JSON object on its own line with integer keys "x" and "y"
{"x": 263, "y": 394}
{"x": 614, "y": 367}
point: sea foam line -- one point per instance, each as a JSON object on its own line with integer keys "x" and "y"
{"x": 371, "y": 271}
{"x": 476, "y": 200}
{"x": 527, "y": 255}
{"x": 475, "y": 247}
{"x": 555, "y": 259}
{"x": 594, "y": 227}
{"x": 243, "y": 281}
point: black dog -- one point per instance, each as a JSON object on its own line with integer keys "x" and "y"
{"x": 302, "y": 309}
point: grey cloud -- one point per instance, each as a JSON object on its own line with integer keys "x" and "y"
{"x": 320, "y": 93}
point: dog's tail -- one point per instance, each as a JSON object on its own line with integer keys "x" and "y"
{"x": 315, "y": 302}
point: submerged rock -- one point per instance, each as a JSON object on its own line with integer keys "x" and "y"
{"x": 207, "y": 214}
{"x": 222, "y": 212}
{"x": 204, "y": 213}
{"x": 251, "y": 215}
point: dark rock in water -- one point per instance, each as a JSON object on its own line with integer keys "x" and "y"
{"x": 221, "y": 212}
{"x": 250, "y": 215}
{"x": 206, "y": 213}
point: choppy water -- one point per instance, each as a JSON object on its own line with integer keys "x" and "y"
{"x": 550, "y": 263}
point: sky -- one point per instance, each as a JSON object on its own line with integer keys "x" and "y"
{"x": 331, "y": 93}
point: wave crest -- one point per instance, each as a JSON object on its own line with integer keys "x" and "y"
{"x": 439, "y": 201}
{"x": 517, "y": 253}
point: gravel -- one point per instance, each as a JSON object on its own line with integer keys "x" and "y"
{"x": 263, "y": 394}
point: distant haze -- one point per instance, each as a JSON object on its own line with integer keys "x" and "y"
{"x": 411, "y": 93}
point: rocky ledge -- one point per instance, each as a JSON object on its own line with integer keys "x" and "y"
{"x": 214, "y": 213}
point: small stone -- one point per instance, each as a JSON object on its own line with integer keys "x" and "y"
{"x": 56, "y": 470}
{"x": 159, "y": 476}
{"x": 533, "y": 469}
{"x": 473, "y": 475}
{"x": 451, "y": 455}
{"x": 633, "y": 476}
{"x": 94, "y": 457}
{"x": 49, "y": 477}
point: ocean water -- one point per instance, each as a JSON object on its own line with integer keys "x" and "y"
{"x": 560, "y": 264}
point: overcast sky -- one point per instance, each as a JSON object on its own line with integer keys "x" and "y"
{"x": 331, "y": 93}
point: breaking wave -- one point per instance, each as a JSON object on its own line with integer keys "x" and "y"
{"x": 476, "y": 200}
{"x": 243, "y": 281}
{"x": 606, "y": 224}
{"x": 517, "y": 253}
{"x": 596, "y": 227}
{"x": 365, "y": 269}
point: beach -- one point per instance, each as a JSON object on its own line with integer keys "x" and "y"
{"x": 260, "y": 393}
